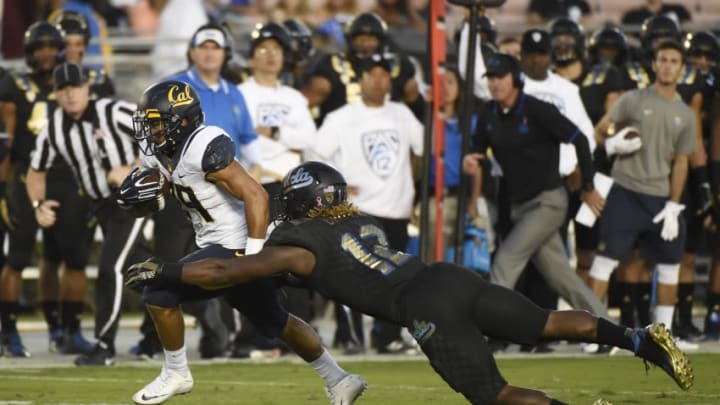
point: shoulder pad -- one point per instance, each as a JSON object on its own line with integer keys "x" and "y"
{"x": 596, "y": 75}
{"x": 688, "y": 76}
{"x": 219, "y": 153}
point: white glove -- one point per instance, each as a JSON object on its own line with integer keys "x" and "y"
{"x": 669, "y": 217}
{"x": 620, "y": 145}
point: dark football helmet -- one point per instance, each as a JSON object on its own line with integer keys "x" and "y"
{"x": 301, "y": 40}
{"x": 72, "y": 22}
{"x": 608, "y": 38}
{"x": 568, "y": 41}
{"x": 656, "y": 28}
{"x": 39, "y": 34}
{"x": 167, "y": 113}
{"x": 703, "y": 43}
{"x": 312, "y": 185}
{"x": 366, "y": 24}
{"x": 274, "y": 31}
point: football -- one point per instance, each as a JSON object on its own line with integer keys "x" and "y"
{"x": 144, "y": 192}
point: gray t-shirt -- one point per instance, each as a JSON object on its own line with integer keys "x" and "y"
{"x": 667, "y": 129}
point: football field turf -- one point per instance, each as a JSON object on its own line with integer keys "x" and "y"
{"x": 619, "y": 379}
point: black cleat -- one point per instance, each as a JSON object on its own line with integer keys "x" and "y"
{"x": 654, "y": 344}
{"x": 100, "y": 355}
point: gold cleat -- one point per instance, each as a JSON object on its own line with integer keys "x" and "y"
{"x": 654, "y": 344}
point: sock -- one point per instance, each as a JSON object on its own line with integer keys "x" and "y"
{"x": 71, "y": 311}
{"x": 327, "y": 367}
{"x": 685, "y": 303}
{"x": 642, "y": 303}
{"x": 664, "y": 314}
{"x": 8, "y": 316}
{"x": 628, "y": 293}
{"x": 51, "y": 310}
{"x": 713, "y": 310}
{"x": 176, "y": 360}
{"x": 610, "y": 334}
{"x": 556, "y": 402}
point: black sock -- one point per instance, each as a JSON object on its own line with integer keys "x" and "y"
{"x": 627, "y": 303}
{"x": 556, "y": 402}
{"x": 8, "y": 316}
{"x": 614, "y": 335}
{"x": 51, "y": 310}
{"x": 684, "y": 304}
{"x": 642, "y": 302}
{"x": 71, "y": 311}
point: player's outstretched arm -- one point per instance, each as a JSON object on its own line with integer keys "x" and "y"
{"x": 223, "y": 272}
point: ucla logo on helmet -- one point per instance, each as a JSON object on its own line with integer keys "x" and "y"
{"x": 179, "y": 97}
{"x": 300, "y": 179}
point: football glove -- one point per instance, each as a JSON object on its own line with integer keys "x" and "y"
{"x": 620, "y": 145}
{"x": 138, "y": 188}
{"x": 140, "y": 274}
{"x": 669, "y": 217}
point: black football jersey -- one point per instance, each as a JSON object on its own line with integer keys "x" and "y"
{"x": 711, "y": 94}
{"x": 35, "y": 100}
{"x": 100, "y": 83}
{"x": 354, "y": 264}
{"x": 595, "y": 84}
{"x": 345, "y": 82}
{"x": 637, "y": 76}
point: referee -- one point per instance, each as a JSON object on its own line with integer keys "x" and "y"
{"x": 94, "y": 138}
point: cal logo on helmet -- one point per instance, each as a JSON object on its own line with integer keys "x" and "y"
{"x": 178, "y": 97}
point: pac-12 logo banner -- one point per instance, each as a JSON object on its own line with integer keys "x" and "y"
{"x": 381, "y": 149}
{"x": 272, "y": 114}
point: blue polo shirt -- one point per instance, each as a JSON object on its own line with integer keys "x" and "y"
{"x": 224, "y": 107}
{"x": 453, "y": 146}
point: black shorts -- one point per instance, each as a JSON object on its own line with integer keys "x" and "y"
{"x": 695, "y": 229}
{"x": 451, "y": 327}
{"x": 69, "y": 240}
{"x": 257, "y": 300}
{"x": 627, "y": 222}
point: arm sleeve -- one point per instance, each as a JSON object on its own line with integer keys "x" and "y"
{"x": 480, "y": 84}
{"x": 43, "y": 155}
{"x": 578, "y": 115}
{"x": 327, "y": 143}
{"x": 220, "y": 152}
{"x": 415, "y": 131}
{"x": 299, "y": 130}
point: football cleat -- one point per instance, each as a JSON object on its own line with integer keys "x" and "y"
{"x": 347, "y": 390}
{"x": 654, "y": 344}
{"x": 12, "y": 345}
{"x": 56, "y": 340}
{"x": 165, "y": 386}
{"x": 75, "y": 343}
{"x": 100, "y": 355}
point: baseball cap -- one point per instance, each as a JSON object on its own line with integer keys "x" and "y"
{"x": 209, "y": 34}
{"x": 500, "y": 64}
{"x": 68, "y": 74}
{"x": 376, "y": 59}
{"x": 535, "y": 40}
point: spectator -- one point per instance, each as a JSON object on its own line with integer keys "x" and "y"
{"x": 287, "y": 9}
{"x": 396, "y": 14}
{"x": 179, "y": 20}
{"x": 643, "y": 207}
{"x": 370, "y": 141}
{"x": 77, "y": 128}
{"x": 637, "y": 16}
{"x": 547, "y": 10}
{"x": 331, "y": 19}
{"x": 510, "y": 46}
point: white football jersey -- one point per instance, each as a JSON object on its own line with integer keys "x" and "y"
{"x": 217, "y": 216}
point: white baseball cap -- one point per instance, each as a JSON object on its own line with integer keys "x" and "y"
{"x": 209, "y": 34}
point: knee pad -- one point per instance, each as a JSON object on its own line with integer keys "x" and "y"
{"x": 160, "y": 297}
{"x": 668, "y": 273}
{"x": 602, "y": 268}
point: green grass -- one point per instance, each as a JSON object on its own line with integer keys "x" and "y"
{"x": 622, "y": 380}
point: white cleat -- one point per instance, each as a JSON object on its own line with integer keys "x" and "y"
{"x": 166, "y": 385}
{"x": 347, "y": 390}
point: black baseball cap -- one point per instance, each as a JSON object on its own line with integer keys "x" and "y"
{"x": 68, "y": 74}
{"x": 536, "y": 41}
{"x": 500, "y": 63}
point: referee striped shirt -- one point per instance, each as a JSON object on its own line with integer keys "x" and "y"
{"x": 101, "y": 140}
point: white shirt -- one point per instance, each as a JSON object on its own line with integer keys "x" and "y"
{"x": 283, "y": 107}
{"x": 178, "y": 21}
{"x": 217, "y": 216}
{"x": 564, "y": 95}
{"x": 480, "y": 86}
{"x": 371, "y": 148}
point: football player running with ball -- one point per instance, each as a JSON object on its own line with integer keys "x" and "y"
{"x": 229, "y": 211}
{"x": 342, "y": 254}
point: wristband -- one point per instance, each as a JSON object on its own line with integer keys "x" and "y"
{"x": 170, "y": 272}
{"x": 37, "y": 204}
{"x": 254, "y": 245}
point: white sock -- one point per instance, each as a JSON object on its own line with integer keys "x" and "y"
{"x": 176, "y": 360}
{"x": 327, "y": 367}
{"x": 664, "y": 314}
